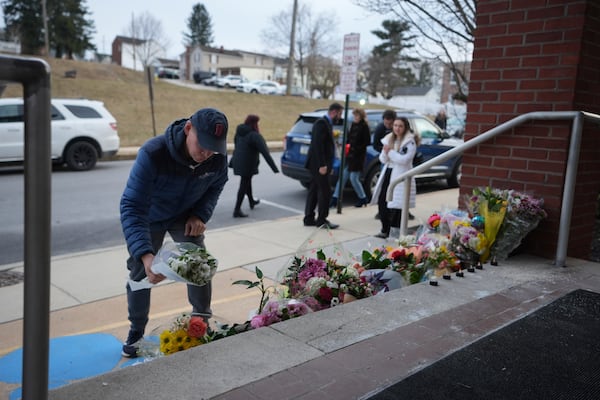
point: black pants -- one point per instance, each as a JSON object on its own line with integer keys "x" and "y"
{"x": 245, "y": 189}
{"x": 384, "y": 212}
{"x": 319, "y": 196}
{"x": 138, "y": 301}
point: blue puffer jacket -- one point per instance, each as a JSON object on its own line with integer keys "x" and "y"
{"x": 165, "y": 184}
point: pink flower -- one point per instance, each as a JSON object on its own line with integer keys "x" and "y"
{"x": 258, "y": 321}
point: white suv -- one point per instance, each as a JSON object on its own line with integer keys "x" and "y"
{"x": 83, "y": 131}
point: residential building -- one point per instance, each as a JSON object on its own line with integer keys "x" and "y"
{"x": 135, "y": 53}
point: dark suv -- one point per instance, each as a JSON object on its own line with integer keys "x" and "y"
{"x": 434, "y": 141}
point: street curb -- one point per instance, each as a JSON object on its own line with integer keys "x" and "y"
{"x": 130, "y": 152}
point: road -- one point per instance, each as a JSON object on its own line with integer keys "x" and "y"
{"x": 85, "y": 206}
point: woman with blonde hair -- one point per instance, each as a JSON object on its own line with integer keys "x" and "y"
{"x": 359, "y": 137}
{"x": 399, "y": 149}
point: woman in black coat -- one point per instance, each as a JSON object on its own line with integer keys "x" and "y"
{"x": 359, "y": 137}
{"x": 244, "y": 161}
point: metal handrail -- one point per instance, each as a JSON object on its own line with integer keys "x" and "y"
{"x": 570, "y": 174}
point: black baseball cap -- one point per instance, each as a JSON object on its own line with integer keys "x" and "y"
{"x": 211, "y": 126}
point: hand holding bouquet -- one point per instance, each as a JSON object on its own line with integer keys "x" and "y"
{"x": 181, "y": 262}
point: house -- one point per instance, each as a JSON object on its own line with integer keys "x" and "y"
{"x": 136, "y": 53}
{"x": 235, "y": 62}
{"x": 424, "y": 99}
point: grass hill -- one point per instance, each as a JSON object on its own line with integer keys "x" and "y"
{"x": 126, "y": 95}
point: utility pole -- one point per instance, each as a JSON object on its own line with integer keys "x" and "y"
{"x": 290, "y": 70}
{"x": 45, "y": 24}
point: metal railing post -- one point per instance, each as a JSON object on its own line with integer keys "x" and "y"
{"x": 34, "y": 75}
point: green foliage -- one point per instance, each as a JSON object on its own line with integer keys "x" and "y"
{"x": 375, "y": 260}
{"x": 69, "y": 31}
{"x": 199, "y": 25}
{"x": 384, "y": 66}
{"x": 264, "y": 290}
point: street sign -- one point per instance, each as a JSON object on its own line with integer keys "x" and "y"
{"x": 350, "y": 59}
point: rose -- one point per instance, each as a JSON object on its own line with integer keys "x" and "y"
{"x": 434, "y": 221}
{"x": 197, "y": 327}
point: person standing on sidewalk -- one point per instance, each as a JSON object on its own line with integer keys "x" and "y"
{"x": 320, "y": 164}
{"x": 249, "y": 143}
{"x": 173, "y": 187}
{"x": 399, "y": 149}
{"x": 359, "y": 138}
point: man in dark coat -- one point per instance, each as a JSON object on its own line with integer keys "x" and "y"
{"x": 173, "y": 187}
{"x": 383, "y": 128}
{"x": 249, "y": 143}
{"x": 320, "y": 164}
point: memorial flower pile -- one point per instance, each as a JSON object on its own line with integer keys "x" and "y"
{"x": 185, "y": 332}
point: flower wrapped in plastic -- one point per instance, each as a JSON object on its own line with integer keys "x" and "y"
{"x": 491, "y": 206}
{"x": 185, "y": 332}
{"x": 523, "y": 214}
{"x": 181, "y": 262}
{"x": 440, "y": 260}
{"x": 468, "y": 243}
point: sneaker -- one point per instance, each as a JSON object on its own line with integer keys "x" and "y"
{"x": 130, "y": 347}
{"x": 328, "y": 225}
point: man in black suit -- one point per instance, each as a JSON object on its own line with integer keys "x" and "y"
{"x": 320, "y": 164}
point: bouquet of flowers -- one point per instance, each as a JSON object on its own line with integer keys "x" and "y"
{"x": 181, "y": 262}
{"x": 440, "y": 259}
{"x": 322, "y": 283}
{"x": 467, "y": 242}
{"x": 523, "y": 214}
{"x": 491, "y": 205}
{"x": 185, "y": 332}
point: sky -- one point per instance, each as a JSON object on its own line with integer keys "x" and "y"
{"x": 236, "y": 23}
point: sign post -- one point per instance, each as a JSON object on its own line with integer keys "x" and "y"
{"x": 348, "y": 74}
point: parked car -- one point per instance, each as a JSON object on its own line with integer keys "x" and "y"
{"x": 83, "y": 131}
{"x": 230, "y": 81}
{"x": 168, "y": 73}
{"x": 212, "y": 81}
{"x": 200, "y": 76}
{"x": 259, "y": 87}
{"x": 434, "y": 141}
{"x": 296, "y": 91}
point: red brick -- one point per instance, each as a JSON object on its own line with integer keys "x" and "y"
{"x": 549, "y": 143}
{"x": 556, "y": 97}
{"x": 492, "y": 172}
{"x": 526, "y": 108}
{"x": 507, "y": 17}
{"x": 567, "y": 23}
{"x": 525, "y": 27}
{"x": 505, "y": 41}
{"x": 517, "y": 96}
{"x": 538, "y": 84}
{"x": 561, "y": 48}
{"x": 491, "y": 30}
{"x": 558, "y": 72}
{"x": 512, "y": 141}
{"x": 499, "y": 108}
{"x": 500, "y": 86}
{"x": 527, "y": 4}
{"x": 492, "y": 7}
{"x": 490, "y": 150}
{"x": 488, "y": 53}
{"x": 547, "y": 12}
{"x": 523, "y": 50}
{"x": 540, "y": 61}
{"x": 534, "y": 154}
{"x": 521, "y": 73}
{"x": 544, "y": 37}
{"x": 509, "y": 163}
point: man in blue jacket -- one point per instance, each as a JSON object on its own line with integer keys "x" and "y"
{"x": 173, "y": 187}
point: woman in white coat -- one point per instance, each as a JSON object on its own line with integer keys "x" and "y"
{"x": 399, "y": 149}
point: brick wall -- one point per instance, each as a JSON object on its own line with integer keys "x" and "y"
{"x": 536, "y": 55}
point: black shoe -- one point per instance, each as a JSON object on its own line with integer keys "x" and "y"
{"x": 361, "y": 203}
{"x": 381, "y": 235}
{"x": 310, "y": 222}
{"x": 377, "y": 216}
{"x": 253, "y": 203}
{"x": 239, "y": 214}
{"x": 333, "y": 202}
{"x": 130, "y": 347}
{"x": 410, "y": 216}
{"x": 328, "y": 225}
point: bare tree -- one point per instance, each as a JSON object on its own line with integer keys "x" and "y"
{"x": 316, "y": 37}
{"x": 149, "y": 41}
{"x": 446, "y": 29}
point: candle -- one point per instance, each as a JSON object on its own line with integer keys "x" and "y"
{"x": 479, "y": 265}
{"x": 447, "y": 276}
{"x": 471, "y": 269}
{"x": 460, "y": 273}
{"x": 494, "y": 261}
{"x": 433, "y": 281}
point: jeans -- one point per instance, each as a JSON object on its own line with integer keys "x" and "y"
{"x": 354, "y": 180}
{"x": 138, "y": 301}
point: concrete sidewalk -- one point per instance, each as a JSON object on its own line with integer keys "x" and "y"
{"x": 87, "y": 296}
